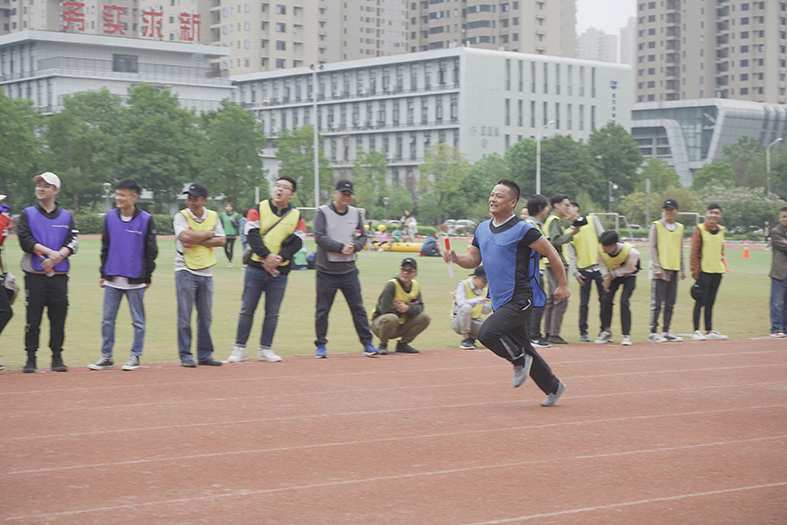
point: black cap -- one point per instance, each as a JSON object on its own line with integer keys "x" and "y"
{"x": 345, "y": 185}
{"x": 411, "y": 262}
{"x": 580, "y": 221}
{"x": 671, "y": 203}
{"x": 197, "y": 189}
{"x": 479, "y": 272}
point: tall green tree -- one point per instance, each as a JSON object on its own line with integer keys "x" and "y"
{"x": 296, "y": 154}
{"x": 716, "y": 174}
{"x": 617, "y": 154}
{"x": 473, "y": 193}
{"x": 567, "y": 167}
{"x": 661, "y": 175}
{"x": 234, "y": 143}
{"x": 521, "y": 159}
{"x": 369, "y": 175}
{"x": 19, "y": 150}
{"x": 743, "y": 155}
{"x": 442, "y": 173}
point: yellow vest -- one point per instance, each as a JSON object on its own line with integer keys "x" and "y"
{"x": 401, "y": 295}
{"x": 478, "y": 310}
{"x": 274, "y": 237}
{"x": 670, "y": 245}
{"x": 712, "y": 246}
{"x": 613, "y": 263}
{"x": 586, "y": 245}
{"x": 198, "y": 257}
{"x": 547, "y": 223}
{"x": 542, "y": 264}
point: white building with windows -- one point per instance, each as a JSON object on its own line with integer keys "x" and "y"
{"x": 478, "y": 100}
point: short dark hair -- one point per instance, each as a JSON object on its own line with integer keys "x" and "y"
{"x": 556, "y": 198}
{"x": 290, "y": 180}
{"x": 536, "y": 204}
{"x": 129, "y": 184}
{"x": 576, "y": 205}
{"x": 513, "y": 187}
{"x": 608, "y": 238}
{"x": 714, "y": 206}
{"x": 783, "y": 209}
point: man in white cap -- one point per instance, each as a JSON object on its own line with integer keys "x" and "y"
{"x": 48, "y": 237}
{"x": 6, "y": 225}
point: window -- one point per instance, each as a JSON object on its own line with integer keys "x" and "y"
{"x": 281, "y": 9}
{"x": 281, "y": 27}
{"x": 744, "y": 35}
{"x": 281, "y": 45}
{"x": 745, "y": 20}
{"x": 122, "y": 63}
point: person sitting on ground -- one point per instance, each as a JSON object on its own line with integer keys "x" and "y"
{"x": 470, "y": 303}
{"x": 397, "y": 235}
{"x": 400, "y": 311}
{"x": 429, "y": 247}
{"x": 381, "y": 242}
{"x": 619, "y": 264}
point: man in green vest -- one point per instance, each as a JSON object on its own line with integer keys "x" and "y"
{"x": 197, "y": 231}
{"x": 707, "y": 267}
{"x": 619, "y": 264}
{"x": 666, "y": 256}
{"x": 400, "y": 310}
{"x": 554, "y": 229}
{"x": 470, "y": 303}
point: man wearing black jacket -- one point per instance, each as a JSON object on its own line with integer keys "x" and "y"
{"x": 48, "y": 237}
{"x": 128, "y": 255}
{"x": 271, "y": 230}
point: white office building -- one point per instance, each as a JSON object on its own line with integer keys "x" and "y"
{"x": 45, "y": 66}
{"x": 480, "y": 101}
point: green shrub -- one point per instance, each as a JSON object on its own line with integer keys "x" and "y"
{"x": 93, "y": 223}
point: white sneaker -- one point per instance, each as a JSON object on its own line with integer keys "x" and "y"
{"x": 229, "y": 265}
{"x": 626, "y": 340}
{"x": 778, "y": 335}
{"x": 551, "y": 399}
{"x": 713, "y": 335}
{"x": 670, "y": 337}
{"x": 656, "y": 338}
{"x": 604, "y": 337}
{"x": 266, "y": 354}
{"x": 698, "y": 336}
{"x": 238, "y": 354}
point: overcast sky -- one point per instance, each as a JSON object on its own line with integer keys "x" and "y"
{"x": 609, "y": 15}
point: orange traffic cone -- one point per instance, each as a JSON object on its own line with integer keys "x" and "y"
{"x": 746, "y": 250}
{"x": 469, "y": 244}
{"x": 724, "y": 262}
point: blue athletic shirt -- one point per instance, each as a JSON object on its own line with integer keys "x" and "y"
{"x": 511, "y": 266}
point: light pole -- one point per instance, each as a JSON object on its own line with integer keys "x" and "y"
{"x": 612, "y": 186}
{"x": 386, "y": 200}
{"x": 768, "y": 164}
{"x": 316, "y": 146}
{"x": 538, "y": 155}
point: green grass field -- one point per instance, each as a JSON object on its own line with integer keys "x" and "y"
{"x": 741, "y": 308}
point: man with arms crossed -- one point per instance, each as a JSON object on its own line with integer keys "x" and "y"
{"x": 506, "y": 244}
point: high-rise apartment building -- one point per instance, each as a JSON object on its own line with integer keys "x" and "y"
{"x": 527, "y": 26}
{"x": 628, "y": 43}
{"x": 692, "y": 49}
{"x": 595, "y": 44}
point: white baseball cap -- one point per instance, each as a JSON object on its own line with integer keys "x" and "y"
{"x": 49, "y": 178}
{"x": 2, "y": 197}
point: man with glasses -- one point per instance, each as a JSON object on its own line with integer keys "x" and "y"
{"x": 470, "y": 303}
{"x": 400, "y": 311}
{"x": 273, "y": 234}
{"x": 339, "y": 234}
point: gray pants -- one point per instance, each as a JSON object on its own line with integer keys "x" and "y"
{"x": 463, "y": 323}
{"x": 387, "y": 327}
{"x": 666, "y": 292}
{"x": 554, "y": 309}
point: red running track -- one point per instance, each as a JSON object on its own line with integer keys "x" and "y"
{"x": 679, "y": 433}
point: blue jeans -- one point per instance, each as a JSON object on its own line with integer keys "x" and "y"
{"x": 194, "y": 289}
{"x": 112, "y": 298}
{"x": 255, "y": 282}
{"x": 778, "y": 305}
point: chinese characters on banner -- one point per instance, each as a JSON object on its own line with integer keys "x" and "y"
{"x": 112, "y": 21}
{"x": 73, "y": 14}
{"x": 189, "y": 27}
{"x": 151, "y": 22}
{"x": 111, "y": 18}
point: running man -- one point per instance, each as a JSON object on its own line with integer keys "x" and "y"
{"x": 510, "y": 249}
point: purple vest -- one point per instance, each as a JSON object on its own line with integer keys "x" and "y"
{"x": 126, "y": 245}
{"x": 52, "y": 233}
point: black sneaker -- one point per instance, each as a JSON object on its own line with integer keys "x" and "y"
{"x": 556, "y": 340}
{"x": 105, "y": 363}
{"x": 382, "y": 349}
{"x": 188, "y": 364}
{"x": 57, "y": 364}
{"x": 468, "y": 344}
{"x": 404, "y": 348}
{"x": 30, "y": 366}
{"x": 540, "y": 342}
{"x": 584, "y": 337}
{"x": 209, "y": 362}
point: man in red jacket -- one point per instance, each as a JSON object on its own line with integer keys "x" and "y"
{"x": 6, "y": 225}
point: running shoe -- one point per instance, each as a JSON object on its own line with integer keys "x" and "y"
{"x": 551, "y": 399}
{"x": 266, "y": 354}
{"x": 105, "y": 363}
{"x": 132, "y": 363}
{"x": 238, "y": 354}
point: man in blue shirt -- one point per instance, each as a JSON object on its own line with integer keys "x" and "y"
{"x": 510, "y": 249}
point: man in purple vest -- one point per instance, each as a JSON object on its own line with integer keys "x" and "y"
{"x": 48, "y": 237}
{"x": 128, "y": 255}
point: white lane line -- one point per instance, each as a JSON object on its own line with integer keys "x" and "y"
{"x": 630, "y": 503}
{"x": 202, "y": 498}
{"x": 366, "y": 373}
{"x": 353, "y": 413}
{"x": 410, "y": 438}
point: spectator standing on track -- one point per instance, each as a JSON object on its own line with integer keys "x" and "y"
{"x": 538, "y": 210}
{"x": 400, "y": 310}
{"x": 554, "y": 228}
{"x": 778, "y": 275}
{"x": 583, "y": 265}
{"x": 230, "y": 221}
{"x": 274, "y": 238}
{"x": 6, "y": 225}
{"x": 667, "y": 262}
{"x": 48, "y": 237}
{"x": 470, "y": 304}
{"x": 707, "y": 267}
{"x": 510, "y": 249}
{"x": 339, "y": 234}
{"x": 128, "y": 255}
{"x": 619, "y": 264}
{"x": 197, "y": 231}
